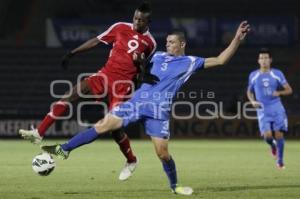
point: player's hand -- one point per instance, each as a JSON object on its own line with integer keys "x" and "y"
{"x": 149, "y": 79}
{"x": 138, "y": 59}
{"x": 256, "y": 104}
{"x": 242, "y": 30}
{"x": 65, "y": 60}
{"x": 144, "y": 76}
{"x": 276, "y": 94}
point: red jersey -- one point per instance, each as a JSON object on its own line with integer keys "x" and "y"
{"x": 125, "y": 42}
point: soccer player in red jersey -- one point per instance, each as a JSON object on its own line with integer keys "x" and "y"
{"x": 129, "y": 41}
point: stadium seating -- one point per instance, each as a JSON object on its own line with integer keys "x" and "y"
{"x": 26, "y": 74}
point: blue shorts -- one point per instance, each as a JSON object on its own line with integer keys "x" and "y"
{"x": 132, "y": 111}
{"x": 272, "y": 120}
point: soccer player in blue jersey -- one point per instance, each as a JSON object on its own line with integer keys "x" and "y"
{"x": 265, "y": 87}
{"x": 173, "y": 69}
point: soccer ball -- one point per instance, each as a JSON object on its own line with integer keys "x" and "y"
{"x": 43, "y": 164}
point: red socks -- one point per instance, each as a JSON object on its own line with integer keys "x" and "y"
{"x": 58, "y": 109}
{"x": 126, "y": 149}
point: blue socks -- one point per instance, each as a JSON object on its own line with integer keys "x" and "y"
{"x": 82, "y": 138}
{"x": 170, "y": 170}
{"x": 280, "y": 149}
{"x": 270, "y": 142}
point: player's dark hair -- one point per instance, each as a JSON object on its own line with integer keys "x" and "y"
{"x": 179, "y": 34}
{"x": 145, "y": 7}
{"x": 265, "y": 51}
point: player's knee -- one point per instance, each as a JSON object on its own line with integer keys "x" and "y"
{"x": 102, "y": 127}
{"x": 163, "y": 155}
{"x": 278, "y": 135}
{"x": 108, "y": 123}
{"x": 268, "y": 135}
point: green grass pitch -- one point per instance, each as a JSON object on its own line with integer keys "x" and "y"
{"x": 214, "y": 168}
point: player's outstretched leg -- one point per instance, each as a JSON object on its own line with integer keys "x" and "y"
{"x": 78, "y": 140}
{"x": 161, "y": 148}
{"x": 58, "y": 109}
{"x": 131, "y": 163}
{"x": 108, "y": 123}
{"x": 36, "y": 135}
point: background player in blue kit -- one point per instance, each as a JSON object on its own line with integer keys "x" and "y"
{"x": 264, "y": 94}
{"x": 173, "y": 69}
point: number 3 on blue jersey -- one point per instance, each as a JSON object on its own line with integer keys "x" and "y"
{"x": 164, "y": 66}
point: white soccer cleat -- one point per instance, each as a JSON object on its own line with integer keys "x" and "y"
{"x": 32, "y": 135}
{"x": 128, "y": 170}
{"x": 187, "y": 191}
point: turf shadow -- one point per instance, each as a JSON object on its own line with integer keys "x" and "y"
{"x": 241, "y": 188}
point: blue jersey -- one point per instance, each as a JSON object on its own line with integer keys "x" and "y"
{"x": 152, "y": 103}
{"x": 263, "y": 85}
{"x": 173, "y": 72}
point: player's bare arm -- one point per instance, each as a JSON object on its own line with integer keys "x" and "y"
{"x": 252, "y": 99}
{"x": 226, "y": 55}
{"x": 287, "y": 90}
{"x": 91, "y": 43}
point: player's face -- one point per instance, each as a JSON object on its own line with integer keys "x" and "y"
{"x": 264, "y": 60}
{"x": 174, "y": 45}
{"x": 140, "y": 21}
